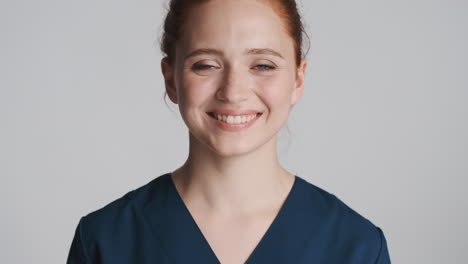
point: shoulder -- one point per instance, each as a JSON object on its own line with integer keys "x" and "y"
{"x": 333, "y": 208}
{"x": 345, "y": 226}
{"x": 121, "y": 212}
{"x": 110, "y": 229}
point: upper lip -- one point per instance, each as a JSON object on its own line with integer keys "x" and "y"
{"x": 233, "y": 112}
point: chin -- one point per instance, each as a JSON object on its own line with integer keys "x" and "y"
{"x": 233, "y": 149}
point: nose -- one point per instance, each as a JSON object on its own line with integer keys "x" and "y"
{"x": 233, "y": 87}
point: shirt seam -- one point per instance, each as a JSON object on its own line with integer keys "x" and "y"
{"x": 85, "y": 255}
{"x": 381, "y": 245}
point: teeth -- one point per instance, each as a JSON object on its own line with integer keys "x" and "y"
{"x": 234, "y": 119}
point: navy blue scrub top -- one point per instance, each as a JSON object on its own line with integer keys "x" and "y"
{"x": 152, "y": 225}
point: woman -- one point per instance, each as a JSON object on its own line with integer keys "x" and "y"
{"x": 235, "y": 68}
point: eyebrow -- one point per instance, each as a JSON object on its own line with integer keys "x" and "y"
{"x": 208, "y": 51}
{"x": 264, "y": 51}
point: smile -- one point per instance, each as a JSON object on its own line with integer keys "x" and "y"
{"x": 233, "y": 123}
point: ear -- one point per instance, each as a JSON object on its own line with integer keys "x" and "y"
{"x": 168, "y": 74}
{"x": 299, "y": 86}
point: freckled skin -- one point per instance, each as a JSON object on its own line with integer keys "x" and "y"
{"x": 233, "y": 79}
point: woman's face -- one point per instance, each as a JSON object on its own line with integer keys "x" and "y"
{"x": 234, "y": 56}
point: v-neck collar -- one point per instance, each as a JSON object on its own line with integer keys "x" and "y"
{"x": 183, "y": 241}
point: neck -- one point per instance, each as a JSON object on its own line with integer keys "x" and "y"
{"x": 233, "y": 184}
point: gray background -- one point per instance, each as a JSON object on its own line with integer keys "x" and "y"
{"x": 382, "y": 123}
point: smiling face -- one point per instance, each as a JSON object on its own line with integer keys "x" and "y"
{"x": 232, "y": 57}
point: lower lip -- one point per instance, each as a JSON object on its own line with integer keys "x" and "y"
{"x": 233, "y": 127}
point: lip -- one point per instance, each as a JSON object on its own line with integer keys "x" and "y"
{"x": 233, "y": 127}
{"x": 233, "y": 112}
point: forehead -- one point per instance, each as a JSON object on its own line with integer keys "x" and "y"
{"x": 235, "y": 25}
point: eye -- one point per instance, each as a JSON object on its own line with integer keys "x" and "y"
{"x": 265, "y": 67}
{"x": 201, "y": 67}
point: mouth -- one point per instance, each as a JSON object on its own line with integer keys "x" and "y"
{"x": 218, "y": 116}
{"x": 234, "y": 123}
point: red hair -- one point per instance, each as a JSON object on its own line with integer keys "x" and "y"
{"x": 178, "y": 9}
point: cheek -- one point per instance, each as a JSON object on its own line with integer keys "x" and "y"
{"x": 194, "y": 90}
{"x": 276, "y": 90}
